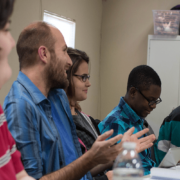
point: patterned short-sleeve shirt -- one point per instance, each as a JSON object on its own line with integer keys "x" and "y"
{"x": 122, "y": 118}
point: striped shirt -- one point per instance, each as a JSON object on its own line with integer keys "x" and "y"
{"x": 169, "y": 135}
{"x": 10, "y": 161}
{"x": 122, "y": 118}
{"x": 30, "y": 120}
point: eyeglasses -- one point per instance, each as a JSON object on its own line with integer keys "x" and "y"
{"x": 150, "y": 102}
{"x": 83, "y": 77}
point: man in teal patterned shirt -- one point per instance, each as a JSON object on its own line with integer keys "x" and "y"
{"x": 143, "y": 93}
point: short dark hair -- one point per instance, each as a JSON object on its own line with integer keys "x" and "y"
{"x": 29, "y": 41}
{"x": 6, "y": 8}
{"x": 142, "y": 77}
{"x": 77, "y": 58}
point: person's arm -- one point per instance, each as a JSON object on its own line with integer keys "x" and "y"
{"x": 11, "y": 145}
{"x": 142, "y": 144}
{"x": 100, "y": 168}
{"x": 109, "y": 175}
{"x": 101, "y": 152}
{"x": 23, "y": 176}
{"x": 20, "y": 118}
{"x": 15, "y": 156}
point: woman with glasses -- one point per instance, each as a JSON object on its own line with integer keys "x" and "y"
{"x": 86, "y": 127}
{"x": 11, "y": 167}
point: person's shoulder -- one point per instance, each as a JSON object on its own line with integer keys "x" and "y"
{"x": 2, "y": 118}
{"x": 173, "y": 116}
{"x": 97, "y": 121}
{"x": 17, "y": 91}
{"x": 111, "y": 120}
{"x": 113, "y": 116}
{"x": 17, "y": 94}
{"x": 1, "y": 110}
{"x": 59, "y": 92}
{"x": 18, "y": 104}
{"x": 116, "y": 120}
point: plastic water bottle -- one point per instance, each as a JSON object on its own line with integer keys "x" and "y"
{"x": 128, "y": 165}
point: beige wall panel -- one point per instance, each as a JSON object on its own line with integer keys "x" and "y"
{"x": 125, "y": 28}
{"x": 88, "y": 15}
{"x": 25, "y": 12}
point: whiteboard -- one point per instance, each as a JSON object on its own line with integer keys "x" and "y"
{"x": 164, "y": 58}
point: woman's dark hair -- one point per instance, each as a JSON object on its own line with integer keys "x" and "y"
{"x": 6, "y": 8}
{"x": 77, "y": 58}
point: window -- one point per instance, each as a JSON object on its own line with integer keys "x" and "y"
{"x": 65, "y": 25}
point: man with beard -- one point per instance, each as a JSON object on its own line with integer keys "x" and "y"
{"x": 38, "y": 112}
{"x": 143, "y": 93}
{"x": 39, "y": 116}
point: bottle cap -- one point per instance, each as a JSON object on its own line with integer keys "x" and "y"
{"x": 129, "y": 145}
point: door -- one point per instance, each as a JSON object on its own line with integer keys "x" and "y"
{"x": 164, "y": 58}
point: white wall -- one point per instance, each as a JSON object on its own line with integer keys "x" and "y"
{"x": 125, "y": 28}
{"x": 25, "y": 12}
{"x": 87, "y": 14}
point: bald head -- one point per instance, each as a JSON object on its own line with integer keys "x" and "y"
{"x": 30, "y": 39}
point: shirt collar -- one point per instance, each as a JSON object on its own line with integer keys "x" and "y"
{"x": 129, "y": 111}
{"x": 35, "y": 93}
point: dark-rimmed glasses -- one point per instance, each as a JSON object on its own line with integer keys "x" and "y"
{"x": 150, "y": 102}
{"x": 83, "y": 77}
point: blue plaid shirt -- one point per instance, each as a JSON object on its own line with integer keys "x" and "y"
{"x": 122, "y": 118}
{"x": 30, "y": 121}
